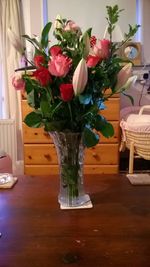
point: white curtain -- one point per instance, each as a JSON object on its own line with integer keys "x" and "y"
{"x": 10, "y": 17}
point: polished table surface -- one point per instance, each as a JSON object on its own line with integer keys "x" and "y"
{"x": 36, "y": 233}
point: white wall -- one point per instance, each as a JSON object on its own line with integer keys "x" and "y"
{"x": 33, "y": 16}
{"x": 88, "y": 13}
{"x": 33, "y": 21}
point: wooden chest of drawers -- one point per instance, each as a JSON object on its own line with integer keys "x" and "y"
{"x": 40, "y": 155}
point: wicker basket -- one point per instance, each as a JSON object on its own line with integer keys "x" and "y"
{"x": 141, "y": 142}
{"x": 137, "y": 142}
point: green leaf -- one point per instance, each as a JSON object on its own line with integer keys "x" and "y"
{"x": 107, "y": 130}
{"x": 89, "y": 31}
{"x": 99, "y": 123}
{"x": 85, "y": 99}
{"x": 89, "y": 137}
{"x": 45, "y": 108}
{"x": 30, "y": 99}
{"x": 103, "y": 126}
{"x": 54, "y": 126}
{"x": 29, "y": 85}
{"x": 86, "y": 45}
{"x": 33, "y": 119}
{"x": 44, "y": 36}
{"x": 32, "y": 41}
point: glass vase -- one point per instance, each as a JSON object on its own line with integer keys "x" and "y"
{"x": 70, "y": 153}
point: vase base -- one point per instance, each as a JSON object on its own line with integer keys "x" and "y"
{"x": 86, "y": 205}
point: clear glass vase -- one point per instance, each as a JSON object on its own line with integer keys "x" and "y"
{"x": 70, "y": 152}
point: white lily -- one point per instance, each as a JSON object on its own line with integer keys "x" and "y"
{"x": 129, "y": 82}
{"x": 80, "y": 77}
{"x": 57, "y": 23}
{"x": 123, "y": 75}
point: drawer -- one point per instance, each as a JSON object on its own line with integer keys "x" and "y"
{"x": 112, "y": 111}
{"x": 46, "y": 154}
{"x": 38, "y": 135}
{"x": 53, "y": 169}
{"x": 35, "y": 135}
{"x": 25, "y": 108}
{"x": 102, "y": 154}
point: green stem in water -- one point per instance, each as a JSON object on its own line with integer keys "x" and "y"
{"x": 70, "y": 111}
{"x": 56, "y": 108}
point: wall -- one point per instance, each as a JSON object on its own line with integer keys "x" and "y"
{"x": 33, "y": 20}
{"x": 87, "y": 13}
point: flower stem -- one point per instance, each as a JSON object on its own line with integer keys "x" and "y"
{"x": 70, "y": 111}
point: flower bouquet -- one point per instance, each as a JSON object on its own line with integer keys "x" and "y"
{"x": 70, "y": 84}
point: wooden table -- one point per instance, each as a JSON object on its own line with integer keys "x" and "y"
{"x": 36, "y": 233}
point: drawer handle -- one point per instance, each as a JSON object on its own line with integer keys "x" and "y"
{"x": 95, "y": 155}
{"x": 29, "y": 157}
{"x": 47, "y": 156}
{"x": 46, "y": 134}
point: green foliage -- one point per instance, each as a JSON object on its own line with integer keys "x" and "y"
{"x": 44, "y": 36}
{"x": 89, "y": 137}
{"x": 33, "y": 119}
{"x": 112, "y": 19}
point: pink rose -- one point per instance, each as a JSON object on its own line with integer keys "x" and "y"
{"x": 102, "y": 48}
{"x": 92, "y": 61}
{"x": 18, "y": 82}
{"x": 72, "y": 26}
{"x": 39, "y": 60}
{"x": 55, "y": 50}
{"x": 66, "y": 91}
{"x": 59, "y": 65}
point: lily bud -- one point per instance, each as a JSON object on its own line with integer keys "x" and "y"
{"x": 123, "y": 75}
{"x": 57, "y": 23}
{"x": 80, "y": 77}
{"x": 15, "y": 41}
{"x": 86, "y": 43}
{"x": 129, "y": 82}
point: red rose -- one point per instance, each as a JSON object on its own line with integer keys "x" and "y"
{"x": 39, "y": 60}
{"x": 66, "y": 91}
{"x": 55, "y": 50}
{"x": 43, "y": 76}
{"x": 92, "y": 61}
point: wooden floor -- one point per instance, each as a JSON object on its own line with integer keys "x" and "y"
{"x": 36, "y": 233}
